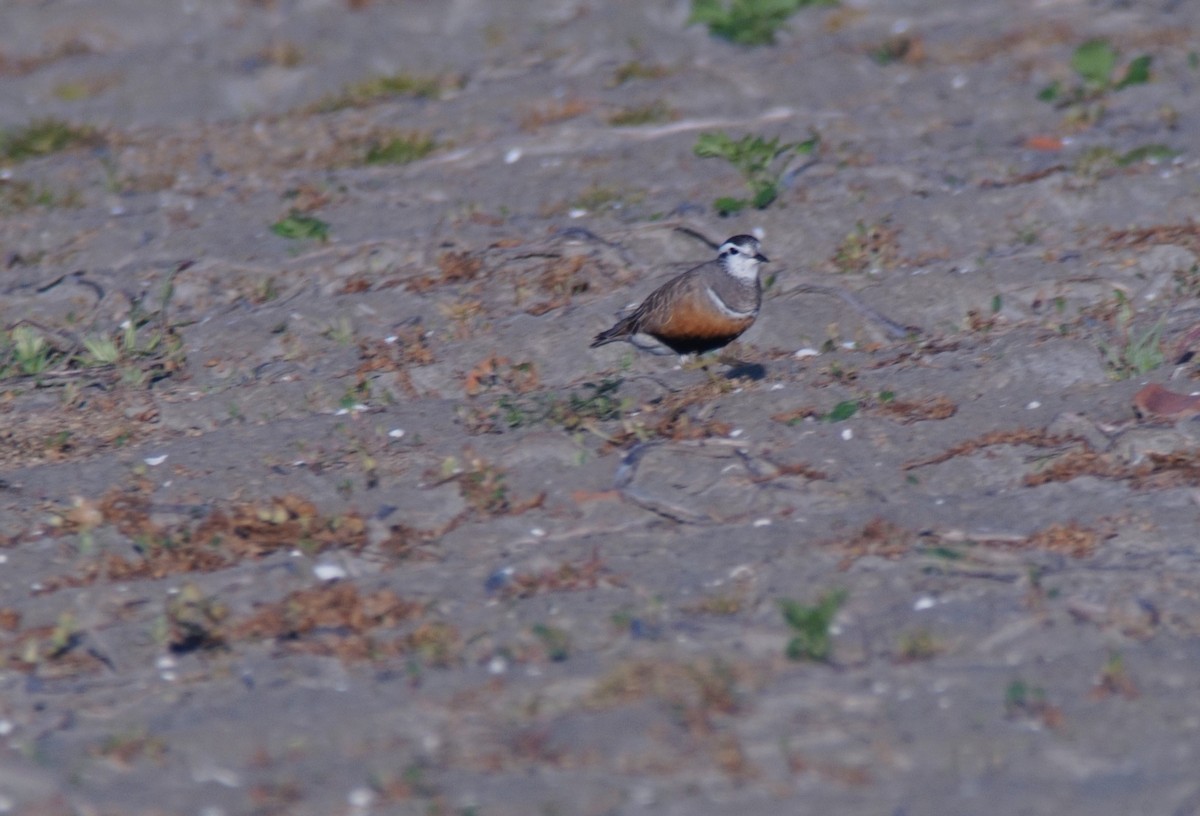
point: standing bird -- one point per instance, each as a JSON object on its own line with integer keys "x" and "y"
{"x": 703, "y": 309}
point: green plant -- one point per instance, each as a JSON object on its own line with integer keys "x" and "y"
{"x": 842, "y": 411}
{"x": 748, "y": 22}
{"x": 379, "y": 88}
{"x": 301, "y": 225}
{"x": 918, "y": 645}
{"x": 41, "y": 138}
{"x": 757, "y": 159}
{"x": 599, "y": 197}
{"x": 810, "y": 626}
{"x": 401, "y": 148}
{"x": 30, "y": 349}
{"x": 18, "y": 196}
{"x": 555, "y": 641}
{"x": 1100, "y": 160}
{"x": 648, "y": 114}
{"x": 1134, "y": 354}
{"x": 102, "y": 350}
{"x": 595, "y": 402}
{"x": 1094, "y": 63}
{"x": 636, "y": 69}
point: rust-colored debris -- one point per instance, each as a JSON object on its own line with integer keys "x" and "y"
{"x": 453, "y": 268}
{"x": 1156, "y": 402}
{"x": 1114, "y": 681}
{"x": 879, "y": 537}
{"x": 1033, "y": 143}
{"x": 1021, "y": 436}
{"x": 1071, "y": 539}
{"x": 909, "y": 411}
{"x": 560, "y": 279}
{"x": 1185, "y": 235}
{"x": 221, "y": 539}
{"x": 1156, "y": 471}
{"x": 498, "y": 372}
{"x": 569, "y": 576}
{"x": 334, "y": 606}
{"x": 335, "y": 620}
{"x": 553, "y": 112}
{"x": 797, "y": 415}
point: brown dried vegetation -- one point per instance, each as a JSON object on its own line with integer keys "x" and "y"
{"x": 221, "y": 539}
{"x": 569, "y": 576}
{"x": 880, "y": 538}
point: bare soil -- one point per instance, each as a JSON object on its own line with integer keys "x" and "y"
{"x": 352, "y": 520}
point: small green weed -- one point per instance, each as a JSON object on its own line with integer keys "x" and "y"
{"x": 653, "y": 113}
{"x": 298, "y": 225}
{"x": 1025, "y": 702}
{"x": 43, "y": 137}
{"x": 810, "y": 625}
{"x": 400, "y": 148}
{"x": 1094, "y": 63}
{"x": 380, "y": 88}
{"x": 636, "y": 69}
{"x": 599, "y": 198}
{"x": 842, "y": 411}
{"x": 18, "y": 196}
{"x": 595, "y": 402}
{"x": 748, "y": 22}
{"x": 555, "y": 641}
{"x": 102, "y": 350}
{"x": 918, "y": 645}
{"x": 30, "y": 350}
{"x": 867, "y": 248}
{"x": 757, "y": 159}
{"x": 1098, "y": 161}
{"x": 1134, "y": 354}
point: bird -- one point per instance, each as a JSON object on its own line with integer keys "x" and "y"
{"x": 702, "y": 310}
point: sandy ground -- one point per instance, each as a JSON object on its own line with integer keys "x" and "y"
{"x": 350, "y": 520}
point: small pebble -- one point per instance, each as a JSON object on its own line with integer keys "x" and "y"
{"x": 924, "y": 602}
{"x": 155, "y": 461}
{"x": 396, "y": 433}
{"x": 361, "y": 797}
{"x": 805, "y": 352}
{"x": 1033, "y": 405}
{"x": 329, "y": 572}
{"x": 498, "y": 579}
{"x": 512, "y": 156}
{"x": 762, "y": 522}
{"x": 847, "y": 434}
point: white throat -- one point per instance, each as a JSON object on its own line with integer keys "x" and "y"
{"x": 741, "y": 267}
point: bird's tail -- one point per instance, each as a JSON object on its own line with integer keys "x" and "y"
{"x": 621, "y": 331}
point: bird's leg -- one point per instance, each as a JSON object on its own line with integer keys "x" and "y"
{"x": 690, "y": 362}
